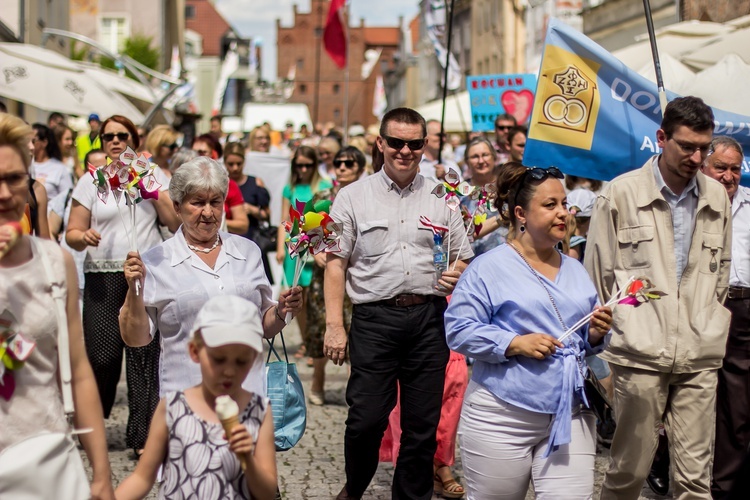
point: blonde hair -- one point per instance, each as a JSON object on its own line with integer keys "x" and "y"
{"x": 255, "y": 132}
{"x": 16, "y": 134}
{"x": 161, "y": 135}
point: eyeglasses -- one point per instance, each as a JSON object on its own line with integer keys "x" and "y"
{"x": 690, "y": 149}
{"x": 346, "y": 163}
{"x": 15, "y": 181}
{"x": 202, "y": 152}
{"x": 121, "y": 136}
{"x": 538, "y": 174}
{"x": 503, "y": 127}
{"x": 300, "y": 166}
{"x": 398, "y": 144}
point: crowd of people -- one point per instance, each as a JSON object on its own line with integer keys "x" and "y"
{"x": 494, "y": 353}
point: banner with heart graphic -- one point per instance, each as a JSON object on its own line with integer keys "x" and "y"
{"x": 492, "y": 95}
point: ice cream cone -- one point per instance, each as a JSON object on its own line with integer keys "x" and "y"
{"x": 229, "y": 416}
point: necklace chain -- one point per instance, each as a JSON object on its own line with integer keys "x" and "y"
{"x": 204, "y": 250}
{"x": 541, "y": 282}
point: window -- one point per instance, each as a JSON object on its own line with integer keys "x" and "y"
{"x": 300, "y": 63}
{"x": 336, "y": 88}
{"x": 190, "y": 12}
{"x": 112, "y": 33}
{"x": 302, "y": 88}
{"x": 336, "y": 113}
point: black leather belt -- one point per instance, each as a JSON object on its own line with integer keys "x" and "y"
{"x": 407, "y": 300}
{"x": 738, "y": 293}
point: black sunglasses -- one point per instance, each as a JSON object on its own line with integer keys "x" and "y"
{"x": 299, "y": 166}
{"x": 398, "y": 144}
{"x": 538, "y": 174}
{"x": 346, "y": 163}
{"x": 121, "y": 136}
{"x": 172, "y": 146}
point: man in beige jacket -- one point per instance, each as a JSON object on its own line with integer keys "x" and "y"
{"x": 672, "y": 224}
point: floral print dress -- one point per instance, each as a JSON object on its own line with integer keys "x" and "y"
{"x": 199, "y": 464}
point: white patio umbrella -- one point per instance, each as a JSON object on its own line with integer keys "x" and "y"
{"x": 50, "y": 81}
{"x": 736, "y": 42}
{"x": 457, "y": 112}
{"x": 718, "y": 85}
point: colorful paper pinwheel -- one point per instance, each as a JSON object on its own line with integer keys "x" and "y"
{"x": 14, "y": 351}
{"x": 641, "y": 290}
{"x": 452, "y": 189}
{"x": 130, "y": 174}
{"x": 311, "y": 228}
{"x": 636, "y": 292}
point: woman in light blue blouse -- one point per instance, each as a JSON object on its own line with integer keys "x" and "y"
{"x": 524, "y": 410}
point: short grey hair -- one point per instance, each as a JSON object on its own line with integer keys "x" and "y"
{"x": 724, "y": 141}
{"x": 199, "y": 174}
{"x": 181, "y": 156}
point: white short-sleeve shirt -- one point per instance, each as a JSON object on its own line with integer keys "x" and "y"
{"x": 176, "y": 286}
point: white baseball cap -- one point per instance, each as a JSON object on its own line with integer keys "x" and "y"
{"x": 229, "y": 319}
{"x": 581, "y": 202}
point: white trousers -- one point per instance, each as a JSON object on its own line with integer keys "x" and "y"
{"x": 502, "y": 447}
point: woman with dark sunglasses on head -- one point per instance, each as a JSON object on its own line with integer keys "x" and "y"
{"x": 524, "y": 414}
{"x": 349, "y": 164}
{"x": 103, "y": 229}
{"x": 305, "y": 182}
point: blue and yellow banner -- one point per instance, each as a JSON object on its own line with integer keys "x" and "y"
{"x": 492, "y": 95}
{"x": 594, "y": 117}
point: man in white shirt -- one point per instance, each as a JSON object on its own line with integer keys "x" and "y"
{"x": 724, "y": 163}
{"x": 429, "y": 166}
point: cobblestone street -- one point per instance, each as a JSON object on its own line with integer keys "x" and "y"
{"x": 314, "y": 469}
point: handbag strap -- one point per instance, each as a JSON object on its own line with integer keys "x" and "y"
{"x": 272, "y": 349}
{"x": 63, "y": 341}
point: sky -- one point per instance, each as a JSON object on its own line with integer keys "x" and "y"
{"x": 257, "y": 18}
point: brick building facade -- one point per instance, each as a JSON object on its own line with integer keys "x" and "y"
{"x": 300, "y": 46}
{"x": 718, "y": 11}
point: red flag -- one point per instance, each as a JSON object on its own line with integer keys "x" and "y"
{"x": 334, "y": 37}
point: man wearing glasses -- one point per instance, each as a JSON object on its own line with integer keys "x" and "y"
{"x": 503, "y": 124}
{"x": 724, "y": 164}
{"x": 671, "y": 224}
{"x": 385, "y": 263}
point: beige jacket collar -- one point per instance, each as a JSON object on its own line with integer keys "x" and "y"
{"x": 649, "y": 192}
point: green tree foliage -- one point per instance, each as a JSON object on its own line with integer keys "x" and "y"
{"x": 139, "y": 48}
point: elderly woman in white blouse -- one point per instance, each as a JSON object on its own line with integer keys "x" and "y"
{"x": 182, "y": 273}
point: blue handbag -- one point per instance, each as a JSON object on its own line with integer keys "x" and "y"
{"x": 287, "y": 399}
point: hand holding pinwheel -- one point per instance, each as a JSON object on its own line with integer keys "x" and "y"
{"x": 636, "y": 291}
{"x": 310, "y": 230}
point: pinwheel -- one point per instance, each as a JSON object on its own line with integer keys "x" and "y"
{"x": 484, "y": 196}
{"x": 130, "y": 175}
{"x": 310, "y": 230}
{"x": 635, "y": 292}
{"x": 15, "y": 349}
{"x": 452, "y": 189}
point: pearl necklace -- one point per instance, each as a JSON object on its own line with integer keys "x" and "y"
{"x": 204, "y": 250}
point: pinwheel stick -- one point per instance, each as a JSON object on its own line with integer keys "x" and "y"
{"x": 300, "y": 264}
{"x": 464, "y": 239}
{"x": 612, "y": 302}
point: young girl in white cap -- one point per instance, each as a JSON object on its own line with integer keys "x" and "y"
{"x": 200, "y": 459}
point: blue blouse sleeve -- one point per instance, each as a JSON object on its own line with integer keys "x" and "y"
{"x": 468, "y": 320}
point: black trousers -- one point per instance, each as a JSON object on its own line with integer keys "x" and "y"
{"x": 389, "y": 345}
{"x": 733, "y": 402}
{"x": 103, "y": 296}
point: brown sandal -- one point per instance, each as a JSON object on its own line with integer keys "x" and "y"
{"x": 447, "y": 489}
